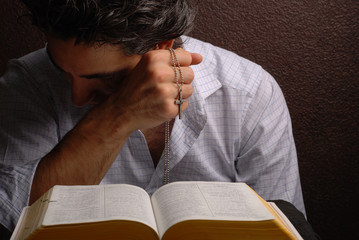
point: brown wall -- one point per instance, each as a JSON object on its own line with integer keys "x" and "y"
{"x": 311, "y": 48}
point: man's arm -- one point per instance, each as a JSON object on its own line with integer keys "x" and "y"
{"x": 268, "y": 159}
{"x": 83, "y": 156}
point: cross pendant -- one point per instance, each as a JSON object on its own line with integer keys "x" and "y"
{"x": 179, "y": 102}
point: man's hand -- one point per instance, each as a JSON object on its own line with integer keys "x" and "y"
{"x": 146, "y": 97}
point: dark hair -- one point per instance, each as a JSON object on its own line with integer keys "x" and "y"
{"x": 137, "y": 25}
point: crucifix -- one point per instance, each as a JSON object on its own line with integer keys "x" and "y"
{"x": 179, "y": 102}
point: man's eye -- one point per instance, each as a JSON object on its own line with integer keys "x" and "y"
{"x": 115, "y": 77}
{"x": 108, "y": 78}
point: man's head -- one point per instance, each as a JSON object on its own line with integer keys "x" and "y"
{"x": 96, "y": 43}
{"x": 137, "y": 25}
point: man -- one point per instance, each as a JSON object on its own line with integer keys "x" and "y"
{"x": 96, "y": 105}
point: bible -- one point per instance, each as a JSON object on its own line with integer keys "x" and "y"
{"x": 179, "y": 210}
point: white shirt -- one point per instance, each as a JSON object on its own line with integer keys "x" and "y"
{"x": 237, "y": 128}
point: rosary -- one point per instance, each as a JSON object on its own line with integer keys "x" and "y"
{"x": 179, "y": 102}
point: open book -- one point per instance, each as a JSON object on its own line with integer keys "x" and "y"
{"x": 179, "y": 210}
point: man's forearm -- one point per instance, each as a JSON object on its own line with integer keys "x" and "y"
{"x": 82, "y": 157}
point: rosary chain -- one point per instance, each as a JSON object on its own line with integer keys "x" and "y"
{"x": 176, "y": 67}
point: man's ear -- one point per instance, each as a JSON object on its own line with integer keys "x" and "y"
{"x": 165, "y": 45}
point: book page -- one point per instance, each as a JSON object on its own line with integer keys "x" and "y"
{"x": 285, "y": 220}
{"x": 181, "y": 201}
{"x": 75, "y": 204}
{"x": 32, "y": 216}
{"x": 233, "y": 201}
{"x": 81, "y": 204}
{"x": 129, "y": 202}
{"x": 20, "y": 231}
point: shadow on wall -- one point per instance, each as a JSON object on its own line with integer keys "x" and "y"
{"x": 18, "y": 37}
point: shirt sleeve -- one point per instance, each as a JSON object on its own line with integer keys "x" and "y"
{"x": 27, "y": 133}
{"x": 268, "y": 160}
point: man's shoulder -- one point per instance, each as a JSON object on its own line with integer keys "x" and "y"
{"x": 208, "y": 50}
{"x": 35, "y": 66}
{"x": 33, "y": 69}
{"x": 32, "y": 62}
{"x": 31, "y": 78}
{"x": 228, "y": 68}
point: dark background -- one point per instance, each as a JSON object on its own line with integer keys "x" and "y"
{"x": 311, "y": 48}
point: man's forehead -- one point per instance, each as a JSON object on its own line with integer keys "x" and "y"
{"x": 88, "y": 60}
